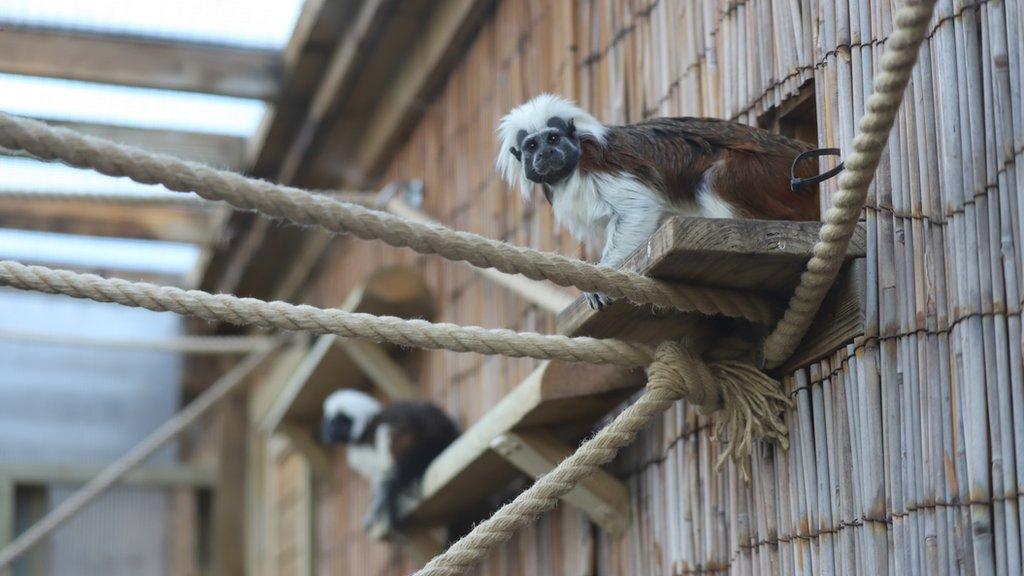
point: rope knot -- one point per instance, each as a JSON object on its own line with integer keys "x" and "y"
{"x": 749, "y": 401}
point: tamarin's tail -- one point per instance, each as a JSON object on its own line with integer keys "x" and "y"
{"x": 798, "y": 184}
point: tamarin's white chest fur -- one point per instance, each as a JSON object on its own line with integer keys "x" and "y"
{"x": 619, "y": 212}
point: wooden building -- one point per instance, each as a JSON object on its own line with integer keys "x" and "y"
{"x": 906, "y": 429}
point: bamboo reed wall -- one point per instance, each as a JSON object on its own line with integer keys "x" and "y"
{"x": 907, "y": 446}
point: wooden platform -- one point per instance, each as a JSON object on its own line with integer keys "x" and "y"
{"x": 560, "y": 402}
{"x": 331, "y": 362}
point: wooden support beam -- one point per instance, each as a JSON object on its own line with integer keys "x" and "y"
{"x": 544, "y": 294}
{"x": 218, "y": 150}
{"x": 339, "y": 78}
{"x": 562, "y": 398}
{"x": 263, "y": 398}
{"x": 229, "y": 505}
{"x": 756, "y": 255}
{"x": 601, "y": 496}
{"x": 199, "y": 345}
{"x": 164, "y": 476}
{"x": 240, "y": 72}
{"x": 320, "y": 26}
{"x": 333, "y": 362}
{"x": 383, "y": 371}
{"x": 170, "y": 223}
{"x": 452, "y": 25}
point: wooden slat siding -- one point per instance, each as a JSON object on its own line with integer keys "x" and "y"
{"x": 907, "y": 444}
{"x": 225, "y": 71}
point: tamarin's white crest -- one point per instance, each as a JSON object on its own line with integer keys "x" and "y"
{"x": 617, "y": 184}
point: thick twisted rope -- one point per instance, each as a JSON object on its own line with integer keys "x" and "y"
{"x": 301, "y": 207}
{"x": 285, "y": 316}
{"x": 751, "y": 401}
{"x": 901, "y": 50}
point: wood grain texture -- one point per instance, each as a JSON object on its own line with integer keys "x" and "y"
{"x": 746, "y": 254}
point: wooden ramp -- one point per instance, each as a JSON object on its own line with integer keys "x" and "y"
{"x": 538, "y": 423}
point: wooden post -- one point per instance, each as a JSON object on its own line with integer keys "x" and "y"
{"x": 602, "y": 496}
{"x": 302, "y": 440}
{"x": 229, "y": 503}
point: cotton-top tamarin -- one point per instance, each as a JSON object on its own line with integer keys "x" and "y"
{"x": 391, "y": 446}
{"x": 618, "y": 184}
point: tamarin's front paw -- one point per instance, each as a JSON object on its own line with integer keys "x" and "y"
{"x": 597, "y": 300}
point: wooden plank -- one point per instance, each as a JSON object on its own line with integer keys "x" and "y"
{"x": 170, "y": 223}
{"x": 185, "y": 475}
{"x": 239, "y": 72}
{"x": 220, "y": 150}
{"x": 563, "y": 398}
{"x": 601, "y": 496}
{"x": 741, "y": 254}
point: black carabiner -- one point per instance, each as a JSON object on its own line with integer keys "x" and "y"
{"x": 795, "y": 182}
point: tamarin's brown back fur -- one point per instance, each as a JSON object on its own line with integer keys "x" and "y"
{"x": 747, "y": 167}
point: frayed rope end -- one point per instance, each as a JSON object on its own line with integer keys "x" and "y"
{"x": 749, "y": 402}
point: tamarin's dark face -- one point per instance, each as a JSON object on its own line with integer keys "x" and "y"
{"x": 549, "y": 155}
{"x": 336, "y": 429}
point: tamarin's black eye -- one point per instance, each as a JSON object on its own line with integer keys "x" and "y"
{"x": 553, "y": 139}
{"x": 531, "y": 145}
